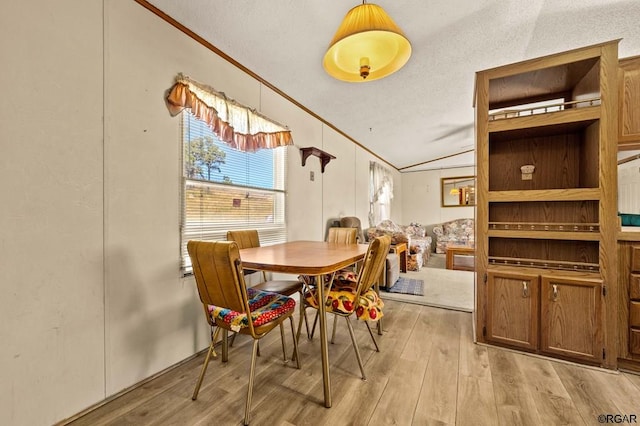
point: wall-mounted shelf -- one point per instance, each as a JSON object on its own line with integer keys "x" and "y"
{"x": 324, "y": 157}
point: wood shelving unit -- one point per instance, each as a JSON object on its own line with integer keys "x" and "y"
{"x": 545, "y": 241}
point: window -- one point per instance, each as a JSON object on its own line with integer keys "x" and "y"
{"x": 227, "y": 189}
{"x": 380, "y": 193}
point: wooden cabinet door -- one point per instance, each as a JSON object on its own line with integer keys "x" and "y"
{"x": 512, "y": 309}
{"x": 634, "y": 286}
{"x": 629, "y": 100}
{"x": 635, "y": 258}
{"x": 571, "y": 318}
{"x": 634, "y": 341}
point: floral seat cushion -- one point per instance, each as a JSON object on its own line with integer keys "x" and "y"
{"x": 341, "y": 299}
{"x": 264, "y": 306}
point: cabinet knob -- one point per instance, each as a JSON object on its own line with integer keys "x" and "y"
{"x": 555, "y": 292}
{"x": 525, "y": 289}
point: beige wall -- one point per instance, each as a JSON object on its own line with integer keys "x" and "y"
{"x": 421, "y": 197}
{"x": 93, "y": 301}
{"x": 51, "y": 214}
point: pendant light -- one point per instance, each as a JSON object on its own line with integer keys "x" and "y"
{"x": 367, "y": 46}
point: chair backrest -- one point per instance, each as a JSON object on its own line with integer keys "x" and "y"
{"x": 245, "y": 238}
{"x": 342, "y": 235}
{"x": 218, "y": 272}
{"x": 373, "y": 264}
{"x": 353, "y": 222}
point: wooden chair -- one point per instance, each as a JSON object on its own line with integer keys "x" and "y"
{"x": 230, "y": 305}
{"x": 353, "y": 222}
{"x": 338, "y": 235}
{"x": 353, "y": 293}
{"x": 249, "y": 238}
{"x": 342, "y": 235}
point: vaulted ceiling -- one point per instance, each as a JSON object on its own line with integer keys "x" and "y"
{"x": 421, "y": 117}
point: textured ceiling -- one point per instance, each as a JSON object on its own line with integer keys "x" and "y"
{"x": 424, "y": 111}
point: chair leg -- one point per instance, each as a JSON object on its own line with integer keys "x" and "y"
{"x": 315, "y": 322}
{"x": 383, "y": 278}
{"x": 306, "y": 322}
{"x": 299, "y": 331}
{"x": 321, "y": 278}
{"x": 214, "y": 337}
{"x": 333, "y": 333}
{"x": 303, "y": 313}
{"x": 225, "y": 345}
{"x": 372, "y": 336}
{"x": 210, "y": 352}
{"x": 303, "y": 318}
{"x": 295, "y": 345}
{"x": 355, "y": 347}
{"x": 284, "y": 349}
{"x": 247, "y": 407}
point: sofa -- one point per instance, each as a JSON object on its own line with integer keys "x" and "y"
{"x": 392, "y": 270}
{"x": 418, "y": 243}
{"x": 458, "y": 232}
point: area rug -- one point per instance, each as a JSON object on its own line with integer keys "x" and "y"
{"x": 408, "y": 286}
{"x": 443, "y": 288}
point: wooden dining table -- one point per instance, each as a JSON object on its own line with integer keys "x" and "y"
{"x": 315, "y": 258}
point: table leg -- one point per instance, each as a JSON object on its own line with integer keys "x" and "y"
{"x": 324, "y": 348}
{"x": 403, "y": 260}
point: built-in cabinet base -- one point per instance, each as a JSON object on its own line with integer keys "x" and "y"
{"x": 546, "y": 313}
{"x": 629, "y": 325}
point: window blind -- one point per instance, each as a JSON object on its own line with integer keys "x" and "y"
{"x": 225, "y": 189}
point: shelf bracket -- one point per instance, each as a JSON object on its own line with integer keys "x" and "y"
{"x": 324, "y": 157}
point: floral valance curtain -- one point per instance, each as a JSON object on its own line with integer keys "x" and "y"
{"x": 240, "y": 126}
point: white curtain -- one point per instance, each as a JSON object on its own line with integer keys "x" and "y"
{"x": 380, "y": 193}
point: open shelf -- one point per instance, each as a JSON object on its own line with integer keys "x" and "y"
{"x": 571, "y": 81}
{"x": 574, "y": 194}
{"x": 544, "y": 264}
{"x": 545, "y": 253}
{"x": 564, "y": 216}
{"x": 564, "y": 156}
{"x": 541, "y": 108}
{"x": 324, "y": 157}
{"x": 560, "y": 121}
{"x": 551, "y": 235}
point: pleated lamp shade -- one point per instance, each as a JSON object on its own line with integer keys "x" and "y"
{"x": 367, "y": 46}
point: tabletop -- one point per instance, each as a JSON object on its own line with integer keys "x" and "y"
{"x": 303, "y": 257}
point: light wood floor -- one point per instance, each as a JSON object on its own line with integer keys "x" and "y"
{"x": 429, "y": 372}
